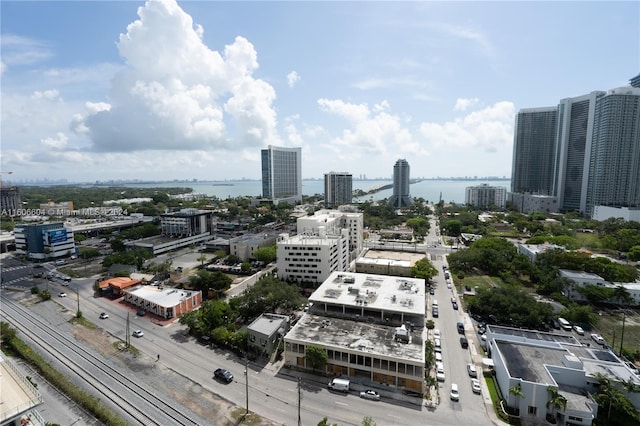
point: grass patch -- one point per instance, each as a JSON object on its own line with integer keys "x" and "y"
{"x": 610, "y": 328}
{"x": 83, "y": 322}
{"x": 241, "y": 417}
{"x": 495, "y": 399}
{"x": 587, "y": 240}
{"x": 89, "y": 402}
{"x": 481, "y": 281}
{"x": 122, "y": 347}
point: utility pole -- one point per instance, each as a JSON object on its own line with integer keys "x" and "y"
{"x": 78, "y": 297}
{"x": 299, "y": 400}
{"x": 624, "y": 317}
{"x": 246, "y": 373}
{"x": 127, "y": 338}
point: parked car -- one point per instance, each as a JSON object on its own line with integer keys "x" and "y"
{"x": 455, "y": 306}
{"x": 104, "y": 315}
{"x": 141, "y": 313}
{"x": 436, "y": 334}
{"x": 370, "y": 394}
{"x": 464, "y": 342}
{"x": 455, "y": 395}
{"x": 578, "y": 330}
{"x": 138, "y": 333}
{"x": 475, "y": 385}
{"x": 598, "y": 339}
{"x": 471, "y": 369}
{"x": 432, "y": 290}
{"x": 62, "y": 294}
{"x": 223, "y": 375}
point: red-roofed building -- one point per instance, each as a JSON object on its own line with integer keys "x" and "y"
{"x": 114, "y": 286}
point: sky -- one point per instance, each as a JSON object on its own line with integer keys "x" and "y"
{"x": 164, "y": 90}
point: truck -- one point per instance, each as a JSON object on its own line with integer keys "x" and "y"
{"x": 341, "y": 385}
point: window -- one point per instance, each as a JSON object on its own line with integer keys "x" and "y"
{"x": 532, "y": 410}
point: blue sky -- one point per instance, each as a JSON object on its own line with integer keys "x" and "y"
{"x": 193, "y": 90}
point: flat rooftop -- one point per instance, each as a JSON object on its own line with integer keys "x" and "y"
{"x": 375, "y": 293}
{"x": 267, "y": 324}
{"x": 358, "y": 336}
{"x": 166, "y": 298}
{"x": 530, "y": 362}
{"x": 534, "y": 335}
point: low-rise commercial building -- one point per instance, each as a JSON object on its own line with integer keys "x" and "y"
{"x": 535, "y": 362}
{"x": 245, "y": 246}
{"x": 371, "y": 328}
{"x": 530, "y": 203}
{"x": 186, "y": 223}
{"x": 394, "y": 263}
{"x": 265, "y": 332}
{"x": 533, "y": 250}
{"x": 580, "y": 279}
{"x": 164, "y": 302}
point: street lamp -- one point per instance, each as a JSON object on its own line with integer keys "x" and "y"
{"x": 624, "y": 317}
{"x": 246, "y": 373}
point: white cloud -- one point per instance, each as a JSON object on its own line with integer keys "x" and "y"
{"x": 18, "y": 50}
{"x": 390, "y": 83}
{"x": 292, "y": 78}
{"x": 176, "y": 93}
{"x": 48, "y": 95}
{"x": 463, "y": 104}
{"x": 57, "y": 142}
{"x": 487, "y": 129}
{"x": 373, "y": 130}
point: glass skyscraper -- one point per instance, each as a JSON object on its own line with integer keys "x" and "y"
{"x": 401, "y": 181}
{"x": 282, "y": 174}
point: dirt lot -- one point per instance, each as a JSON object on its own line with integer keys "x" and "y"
{"x": 188, "y": 393}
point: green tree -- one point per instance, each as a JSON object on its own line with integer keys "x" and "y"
{"x": 325, "y": 422}
{"x": 556, "y": 401}
{"x": 265, "y": 254}
{"x": 315, "y": 356}
{"x": 7, "y": 333}
{"x": 423, "y": 268}
{"x": 634, "y": 253}
{"x": 202, "y": 258}
{"x": 517, "y": 392}
{"x": 368, "y": 421}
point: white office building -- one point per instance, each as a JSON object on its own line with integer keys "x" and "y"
{"x": 44, "y": 240}
{"x": 534, "y": 362}
{"x": 334, "y": 222}
{"x": 311, "y": 258}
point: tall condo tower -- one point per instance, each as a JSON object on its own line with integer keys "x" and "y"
{"x": 534, "y": 144}
{"x": 575, "y": 131}
{"x": 338, "y": 189}
{"x": 282, "y": 174}
{"x": 614, "y": 166}
{"x": 401, "y": 182}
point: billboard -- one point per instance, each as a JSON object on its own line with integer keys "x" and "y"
{"x": 57, "y": 236}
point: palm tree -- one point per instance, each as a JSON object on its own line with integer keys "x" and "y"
{"x": 517, "y": 392}
{"x": 556, "y": 401}
{"x": 621, "y": 295}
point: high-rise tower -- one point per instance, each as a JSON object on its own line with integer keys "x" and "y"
{"x": 614, "y": 166}
{"x": 338, "y": 189}
{"x": 282, "y": 174}
{"x": 401, "y": 181}
{"x": 533, "y": 150}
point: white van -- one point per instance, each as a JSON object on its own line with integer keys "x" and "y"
{"x": 435, "y": 303}
{"x": 341, "y": 385}
{"x": 438, "y": 357}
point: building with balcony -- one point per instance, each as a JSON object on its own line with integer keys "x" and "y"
{"x": 334, "y": 222}
{"x": 485, "y": 196}
{"x": 338, "y": 189}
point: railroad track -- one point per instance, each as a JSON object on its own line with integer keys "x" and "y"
{"x": 140, "y": 404}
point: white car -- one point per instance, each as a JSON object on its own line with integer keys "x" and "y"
{"x": 578, "y": 330}
{"x": 369, "y": 394}
{"x": 138, "y": 333}
{"x": 471, "y": 369}
{"x": 475, "y": 385}
{"x": 62, "y": 294}
{"x": 455, "y": 395}
{"x": 436, "y": 334}
{"x": 104, "y": 315}
{"x": 598, "y": 339}
{"x": 440, "y": 376}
